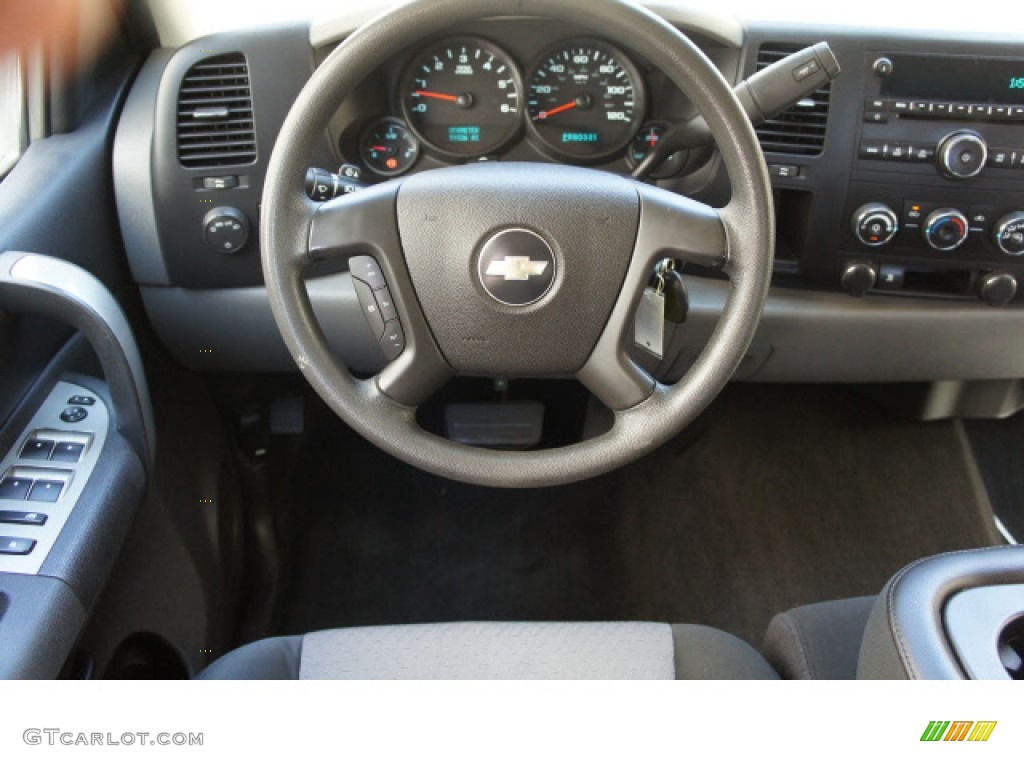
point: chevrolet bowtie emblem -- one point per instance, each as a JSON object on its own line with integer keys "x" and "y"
{"x": 516, "y": 268}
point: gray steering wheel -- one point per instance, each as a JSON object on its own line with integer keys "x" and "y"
{"x": 604, "y": 235}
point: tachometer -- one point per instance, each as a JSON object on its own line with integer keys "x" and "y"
{"x": 461, "y": 97}
{"x": 585, "y": 100}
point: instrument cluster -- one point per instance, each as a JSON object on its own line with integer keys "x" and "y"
{"x": 582, "y": 100}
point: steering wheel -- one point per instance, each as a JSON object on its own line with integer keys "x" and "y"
{"x": 436, "y": 234}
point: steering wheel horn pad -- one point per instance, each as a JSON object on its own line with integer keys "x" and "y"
{"x": 605, "y": 234}
{"x": 445, "y": 219}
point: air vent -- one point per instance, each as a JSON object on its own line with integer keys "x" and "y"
{"x": 800, "y": 130}
{"x": 215, "y": 126}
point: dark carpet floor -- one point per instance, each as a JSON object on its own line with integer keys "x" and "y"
{"x": 787, "y": 495}
{"x": 999, "y": 449}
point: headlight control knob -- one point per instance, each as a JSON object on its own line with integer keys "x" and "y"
{"x": 874, "y": 224}
{"x": 226, "y": 229}
{"x": 961, "y": 155}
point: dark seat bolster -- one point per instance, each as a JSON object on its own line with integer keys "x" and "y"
{"x": 704, "y": 653}
{"x": 820, "y": 641}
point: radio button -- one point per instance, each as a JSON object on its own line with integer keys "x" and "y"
{"x": 900, "y": 107}
{"x": 900, "y": 151}
{"x": 876, "y": 117}
{"x": 871, "y": 150}
{"x": 1001, "y": 158}
{"x": 876, "y": 104}
{"x": 961, "y": 110}
{"x": 942, "y": 108}
{"x": 923, "y": 154}
{"x": 1001, "y": 112}
{"x": 1017, "y": 113}
{"x": 919, "y": 107}
{"x": 980, "y": 110}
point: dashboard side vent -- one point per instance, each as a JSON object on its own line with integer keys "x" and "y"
{"x": 215, "y": 123}
{"x": 800, "y": 130}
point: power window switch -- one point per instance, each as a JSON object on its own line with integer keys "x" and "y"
{"x": 15, "y": 488}
{"x": 69, "y": 452}
{"x": 36, "y": 449}
{"x": 13, "y": 545}
{"x": 46, "y": 490}
{"x": 18, "y": 517}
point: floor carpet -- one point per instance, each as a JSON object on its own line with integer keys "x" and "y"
{"x": 785, "y": 495}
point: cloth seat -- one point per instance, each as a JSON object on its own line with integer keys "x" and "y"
{"x": 498, "y": 651}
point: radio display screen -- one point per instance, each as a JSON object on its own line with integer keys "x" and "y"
{"x": 947, "y": 78}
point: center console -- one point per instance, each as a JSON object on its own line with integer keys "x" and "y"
{"x": 935, "y": 206}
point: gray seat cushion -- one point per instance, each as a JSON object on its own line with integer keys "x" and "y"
{"x": 820, "y": 641}
{"x": 499, "y": 650}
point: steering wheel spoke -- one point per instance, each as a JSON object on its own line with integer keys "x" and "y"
{"x": 676, "y": 227}
{"x": 364, "y": 224}
{"x": 359, "y": 224}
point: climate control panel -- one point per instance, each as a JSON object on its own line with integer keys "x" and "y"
{"x": 941, "y": 228}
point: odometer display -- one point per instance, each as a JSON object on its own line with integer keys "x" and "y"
{"x": 461, "y": 97}
{"x": 585, "y": 100}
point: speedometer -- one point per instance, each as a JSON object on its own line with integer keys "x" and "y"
{"x": 585, "y": 100}
{"x": 461, "y": 97}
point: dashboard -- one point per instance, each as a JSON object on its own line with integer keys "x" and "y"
{"x": 898, "y": 187}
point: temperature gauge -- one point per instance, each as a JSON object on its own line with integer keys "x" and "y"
{"x": 388, "y": 148}
{"x": 645, "y": 141}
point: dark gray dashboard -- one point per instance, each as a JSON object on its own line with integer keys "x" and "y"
{"x": 211, "y": 311}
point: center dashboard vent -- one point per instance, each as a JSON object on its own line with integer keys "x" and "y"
{"x": 215, "y": 121}
{"x": 800, "y": 130}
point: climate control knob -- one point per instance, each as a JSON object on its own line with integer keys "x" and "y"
{"x": 945, "y": 229}
{"x": 1009, "y": 233}
{"x": 874, "y": 224}
{"x": 961, "y": 155}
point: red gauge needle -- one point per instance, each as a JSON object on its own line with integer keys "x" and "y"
{"x": 379, "y": 149}
{"x": 432, "y": 95}
{"x": 556, "y": 110}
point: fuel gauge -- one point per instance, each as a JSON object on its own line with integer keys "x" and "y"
{"x": 388, "y": 148}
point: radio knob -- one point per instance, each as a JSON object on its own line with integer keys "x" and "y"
{"x": 859, "y": 277}
{"x": 1009, "y": 233}
{"x": 961, "y": 155}
{"x": 998, "y": 288}
{"x": 945, "y": 229}
{"x": 875, "y": 224}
